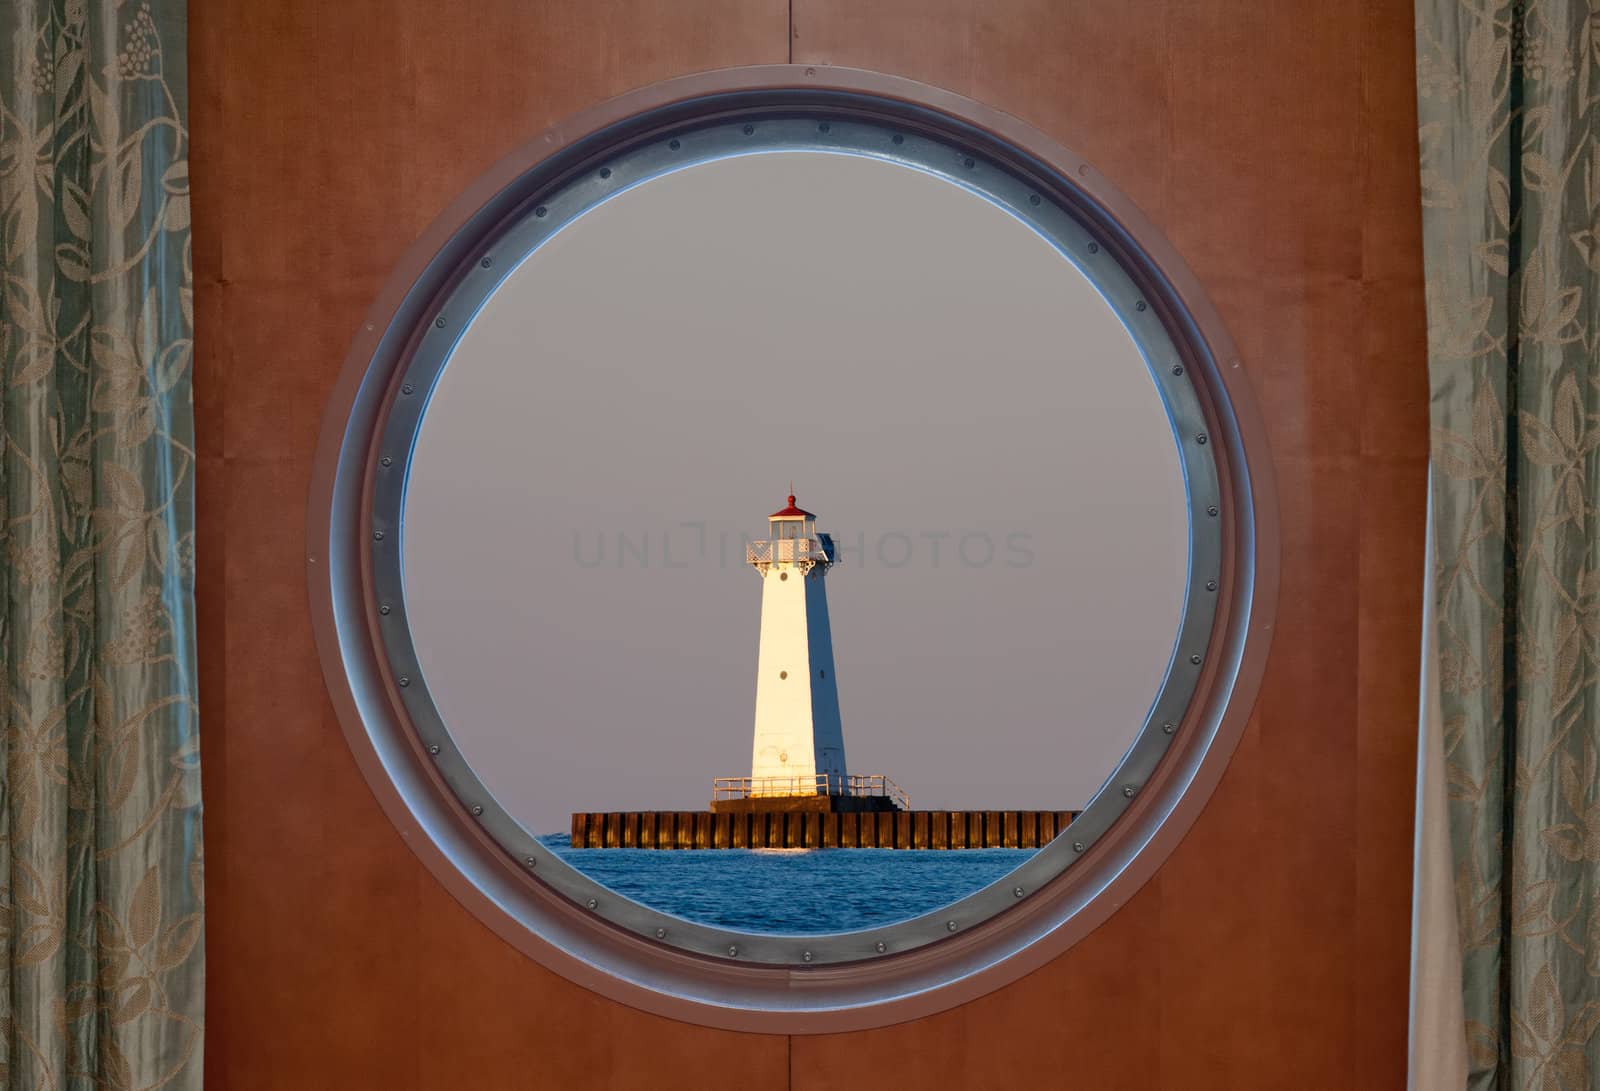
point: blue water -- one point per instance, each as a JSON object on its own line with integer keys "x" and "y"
{"x": 792, "y": 890}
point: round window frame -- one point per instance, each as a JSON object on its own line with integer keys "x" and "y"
{"x": 754, "y": 130}
{"x": 720, "y": 977}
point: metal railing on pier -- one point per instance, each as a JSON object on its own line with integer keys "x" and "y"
{"x": 822, "y": 784}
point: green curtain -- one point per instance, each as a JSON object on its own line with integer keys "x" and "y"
{"x": 101, "y": 974}
{"x": 1510, "y": 172}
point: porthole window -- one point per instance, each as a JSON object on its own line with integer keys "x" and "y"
{"x": 772, "y": 321}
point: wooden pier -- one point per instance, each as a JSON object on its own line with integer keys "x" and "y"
{"x": 813, "y": 830}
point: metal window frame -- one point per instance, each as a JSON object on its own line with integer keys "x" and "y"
{"x": 624, "y": 949}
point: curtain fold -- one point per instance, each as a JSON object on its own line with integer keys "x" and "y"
{"x": 1438, "y": 1045}
{"x": 1510, "y": 174}
{"x": 101, "y": 974}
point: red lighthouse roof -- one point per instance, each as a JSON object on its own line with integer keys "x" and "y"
{"x": 791, "y": 512}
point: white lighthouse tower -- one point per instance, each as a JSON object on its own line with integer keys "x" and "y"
{"x": 799, "y": 743}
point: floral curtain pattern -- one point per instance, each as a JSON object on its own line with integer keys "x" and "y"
{"x": 101, "y": 975}
{"x": 1510, "y": 171}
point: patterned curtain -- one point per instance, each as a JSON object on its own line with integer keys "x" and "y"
{"x": 101, "y": 972}
{"x": 1510, "y": 189}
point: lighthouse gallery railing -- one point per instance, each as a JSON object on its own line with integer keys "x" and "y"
{"x": 775, "y": 550}
{"x": 855, "y": 784}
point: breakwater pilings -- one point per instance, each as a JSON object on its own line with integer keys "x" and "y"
{"x": 814, "y": 830}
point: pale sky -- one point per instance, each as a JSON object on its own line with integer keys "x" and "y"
{"x": 944, "y": 389}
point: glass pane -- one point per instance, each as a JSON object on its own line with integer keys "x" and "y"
{"x": 972, "y": 424}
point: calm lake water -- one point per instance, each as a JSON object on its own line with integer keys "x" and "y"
{"x": 792, "y": 890}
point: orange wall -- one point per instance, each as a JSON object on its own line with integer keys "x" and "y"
{"x": 1274, "y": 144}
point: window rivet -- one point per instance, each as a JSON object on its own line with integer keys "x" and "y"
{"x": 487, "y": 262}
{"x": 433, "y": 748}
{"x": 404, "y": 682}
{"x": 1139, "y": 306}
{"x": 674, "y": 144}
{"x": 594, "y": 903}
{"x": 540, "y": 211}
{"x": 881, "y": 946}
{"x": 1094, "y": 248}
{"x": 439, "y": 322}
{"x": 406, "y": 389}
{"x": 1201, "y": 438}
{"x": 748, "y": 129}
{"x": 1169, "y": 728}
{"x": 605, "y": 172}
{"x": 477, "y": 808}
{"x": 1195, "y": 659}
{"x": 951, "y": 925}
{"x": 1177, "y": 369}
{"x": 1211, "y": 585}
{"x": 1034, "y": 199}
{"x": 1016, "y": 891}
{"x": 384, "y": 609}
{"x": 1077, "y": 846}
{"x": 1211, "y": 509}
{"x": 805, "y": 956}
{"x": 1127, "y": 790}
{"x": 387, "y": 461}
{"x": 733, "y": 952}
{"x": 377, "y": 536}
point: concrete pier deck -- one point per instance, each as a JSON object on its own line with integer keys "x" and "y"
{"x": 815, "y": 830}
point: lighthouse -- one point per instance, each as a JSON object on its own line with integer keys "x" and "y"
{"x": 799, "y": 742}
